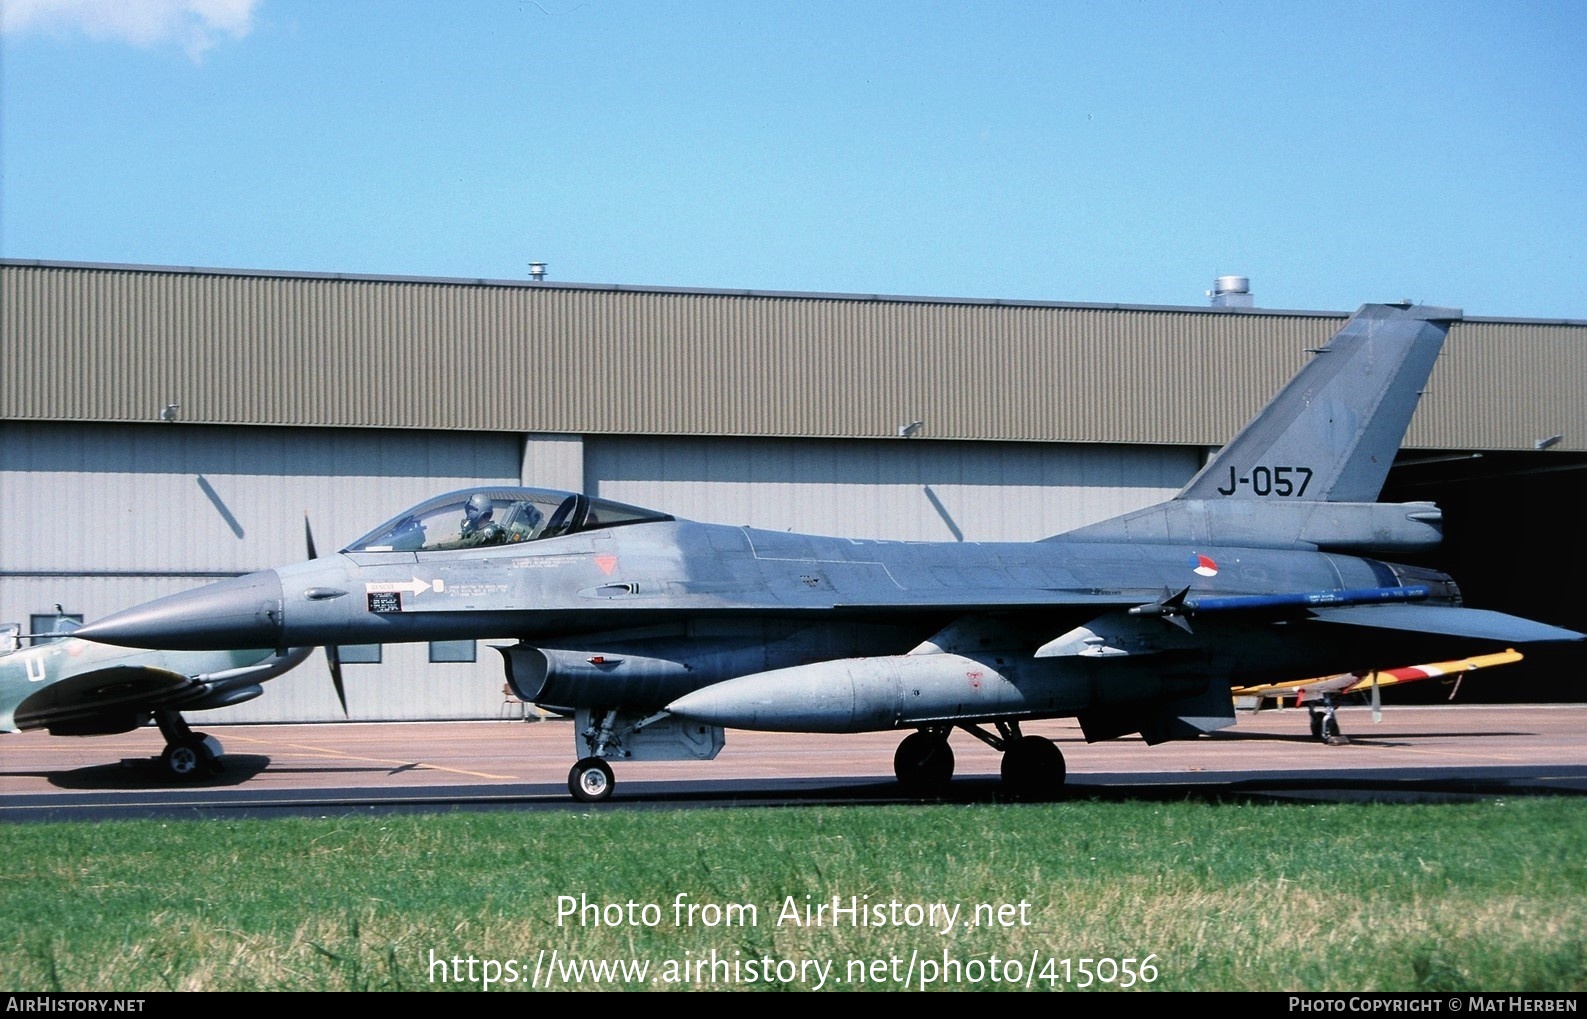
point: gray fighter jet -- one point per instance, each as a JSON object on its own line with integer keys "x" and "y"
{"x": 658, "y": 633}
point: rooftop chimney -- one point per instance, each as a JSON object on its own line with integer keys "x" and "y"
{"x": 1231, "y": 292}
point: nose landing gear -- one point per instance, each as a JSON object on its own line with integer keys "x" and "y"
{"x": 590, "y": 780}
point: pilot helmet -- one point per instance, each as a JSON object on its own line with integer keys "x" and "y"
{"x": 478, "y": 508}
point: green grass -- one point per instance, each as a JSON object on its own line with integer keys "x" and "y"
{"x": 1472, "y": 896}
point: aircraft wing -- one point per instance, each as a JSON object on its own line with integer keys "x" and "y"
{"x": 1354, "y": 682}
{"x": 1399, "y": 609}
{"x": 994, "y": 601}
{"x": 105, "y": 691}
{"x": 1448, "y": 621}
{"x": 1300, "y": 688}
{"x": 1414, "y": 673}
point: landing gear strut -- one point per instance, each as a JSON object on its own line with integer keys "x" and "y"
{"x": 188, "y": 755}
{"x": 1325, "y": 724}
{"x": 1033, "y": 766}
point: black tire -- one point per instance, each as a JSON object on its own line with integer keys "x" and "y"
{"x": 1033, "y": 768}
{"x": 188, "y": 760}
{"x": 923, "y": 762}
{"x": 591, "y": 780}
{"x": 1317, "y": 727}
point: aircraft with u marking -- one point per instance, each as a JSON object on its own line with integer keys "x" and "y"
{"x": 76, "y": 687}
{"x": 1274, "y": 562}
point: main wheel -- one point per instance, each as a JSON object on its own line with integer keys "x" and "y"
{"x": 1317, "y": 727}
{"x": 1330, "y": 728}
{"x": 1033, "y": 768}
{"x": 591, "y": 780}
{"x": 924, "y": 762}
{"x": 190, "y": 758}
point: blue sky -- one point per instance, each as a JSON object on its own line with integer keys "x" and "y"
{"x": 1106, "y": 151}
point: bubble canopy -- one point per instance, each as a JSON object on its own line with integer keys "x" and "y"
{"x": 486, "y": 516}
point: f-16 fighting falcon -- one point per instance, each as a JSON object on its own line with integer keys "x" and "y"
{"x": 658, "y": 633}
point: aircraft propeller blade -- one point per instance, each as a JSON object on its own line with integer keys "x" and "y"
{"x": 334, "y": 659}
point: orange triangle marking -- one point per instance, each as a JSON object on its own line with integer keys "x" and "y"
{"x": 607, "y": 563}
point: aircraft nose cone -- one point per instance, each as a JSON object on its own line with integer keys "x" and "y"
{"x": 243, "y": 612}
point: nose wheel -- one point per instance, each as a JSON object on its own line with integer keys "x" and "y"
{"x": 591, "y": 780}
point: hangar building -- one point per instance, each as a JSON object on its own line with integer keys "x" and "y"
{"x": 163, "y": 427}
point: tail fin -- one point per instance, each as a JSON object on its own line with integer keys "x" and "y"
{"x": 1330, "y": 435}
{"x": 1306, "y": 470}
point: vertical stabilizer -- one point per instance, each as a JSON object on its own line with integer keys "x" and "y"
{"x": 1307, "y": 470}
{"x": 1330, "y": 435}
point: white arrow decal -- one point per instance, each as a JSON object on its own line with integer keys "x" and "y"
{"x": 414, "y": 586}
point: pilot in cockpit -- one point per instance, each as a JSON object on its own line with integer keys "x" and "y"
{"x": 520, "y": 521}
{"x": 478, "y": 528}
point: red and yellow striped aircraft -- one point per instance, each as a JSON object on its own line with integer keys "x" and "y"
{"x": 1328, "y": 689}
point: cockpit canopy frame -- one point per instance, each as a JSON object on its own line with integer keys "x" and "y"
{"x": 461, "y": 519}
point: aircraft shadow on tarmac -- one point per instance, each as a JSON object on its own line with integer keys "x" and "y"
{"x": 142, "y": 773}
{"x": 1446, "y": 785}
{"x": 1372, "y": 737}
{"x": 150, "y": 773}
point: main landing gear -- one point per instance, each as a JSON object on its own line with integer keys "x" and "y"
{"x": 1033, "y": 766}
{"x": 189, "y": 756}
{"x": 924, "y": 761}
{"x": 1325, "y": 724}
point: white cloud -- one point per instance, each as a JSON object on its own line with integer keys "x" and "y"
{"x": 195, "y": 25}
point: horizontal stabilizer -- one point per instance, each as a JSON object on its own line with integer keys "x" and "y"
{"x": 1449, "y": 621}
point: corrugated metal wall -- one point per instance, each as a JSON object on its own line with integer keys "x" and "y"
{"x": 919, "y": 490}
{"x": 1506, "y": 385}
{"x": 118, "y": 344}
{"x": 102, "y": 517}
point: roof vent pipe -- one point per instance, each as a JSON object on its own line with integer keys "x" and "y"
{"x": 1231, "y": 292}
